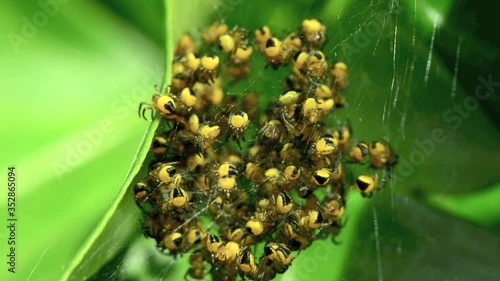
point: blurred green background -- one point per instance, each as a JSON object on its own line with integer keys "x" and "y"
{"x": 73, "y": 72}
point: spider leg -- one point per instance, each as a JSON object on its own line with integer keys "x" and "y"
{"x": 140, "y": 107}
{"x": 144, "y": 114}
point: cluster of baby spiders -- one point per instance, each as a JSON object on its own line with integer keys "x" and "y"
{"x": 248, "y": 210}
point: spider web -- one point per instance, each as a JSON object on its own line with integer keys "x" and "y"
{"x": 368, "y": 38}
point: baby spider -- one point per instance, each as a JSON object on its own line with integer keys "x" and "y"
{"x": 164, "y": 103}
{"x": 238, "y": 123}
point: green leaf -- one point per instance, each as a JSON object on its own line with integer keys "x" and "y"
{"x": 479, "y": 207}
{"x": 71, "y": 93}
{"x": 148, "y": 17}
{"x": 117, "y": 227}
{"x": 413, "y": 241}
